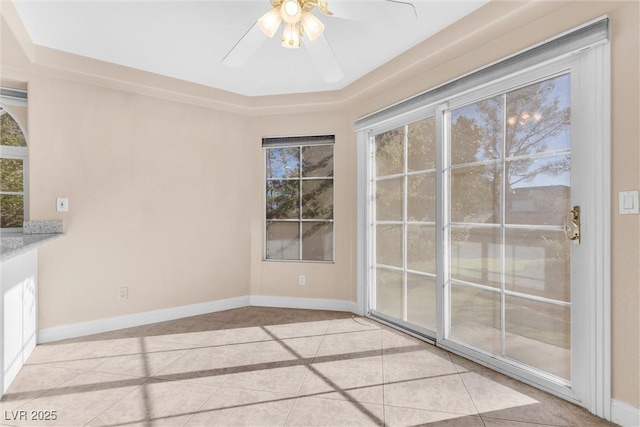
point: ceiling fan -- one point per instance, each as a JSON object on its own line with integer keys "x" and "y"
{"x": 299, "y": 22}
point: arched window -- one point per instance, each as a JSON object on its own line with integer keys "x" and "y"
{"x": 13, "y": 165}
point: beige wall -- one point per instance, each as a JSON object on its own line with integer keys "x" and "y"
{"x": 108, "y": 137}
{"x": 153, "y": 193}
{"x": 625, "y": 233}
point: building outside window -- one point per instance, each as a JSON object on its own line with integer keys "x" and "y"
{"x": 299, "y": 184}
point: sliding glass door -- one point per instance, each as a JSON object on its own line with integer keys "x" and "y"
{"x": 509, "y": 260}
{"x": 475, "y": 222}
{"x": 404, "y": 213}
{"x": 485, "y": 212}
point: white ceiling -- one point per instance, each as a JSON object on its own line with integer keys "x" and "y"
{"x": 188, "y": 39}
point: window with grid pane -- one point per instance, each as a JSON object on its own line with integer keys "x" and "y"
{"x": 13, "y": 157}
{"x": 299, "y": 198}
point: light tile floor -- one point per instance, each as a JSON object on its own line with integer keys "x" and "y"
{"x": 264, "y": 366}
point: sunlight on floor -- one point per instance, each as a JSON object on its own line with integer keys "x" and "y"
{"x": 264, "y": 366}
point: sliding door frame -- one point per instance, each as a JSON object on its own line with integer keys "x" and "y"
{"x": 420, "y": 114}
{"x": 578, "y": 261}
{"x": 590, "y": 103}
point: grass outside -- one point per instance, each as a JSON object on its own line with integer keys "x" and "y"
{"x": 543, "y": 322}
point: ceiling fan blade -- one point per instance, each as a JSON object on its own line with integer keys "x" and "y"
{"x": 409, "y": 6}
{"x": 360, "y": 11}
{"x": 245, "y": 47}
{"x": 324, "y": 58}
{"x": 351, "y": 10}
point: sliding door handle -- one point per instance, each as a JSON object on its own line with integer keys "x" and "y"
{"x": 572, "y": 225}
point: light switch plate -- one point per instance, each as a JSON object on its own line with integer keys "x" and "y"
{"x": 628, "y": 202}
{"x": 62, "y": 204}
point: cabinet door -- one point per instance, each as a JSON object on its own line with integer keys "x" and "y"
{"x": 12, "y": 328}
{"x": 29, "y": 307}
{"x": 19, "y": 315}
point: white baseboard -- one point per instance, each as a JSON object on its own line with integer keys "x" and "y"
{"x": 306, "y": 303}
{"x": 81, "y": 329}
{"x": 624, "y": 414}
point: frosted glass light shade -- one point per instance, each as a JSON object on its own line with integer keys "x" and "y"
{"x": 291, "y": 11}
{"x": 313, "y": 27}
{"x": 270, "y": 22}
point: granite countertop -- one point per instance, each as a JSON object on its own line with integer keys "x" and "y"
{"x": 35, "y": 234}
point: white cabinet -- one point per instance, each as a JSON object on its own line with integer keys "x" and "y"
{"x": 18, "y": 314}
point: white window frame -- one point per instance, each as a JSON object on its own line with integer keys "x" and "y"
{"x": 590, "y": 98}
{"x": 18, "y": 98}
{"x": 299, "y": 220}
{"x": 557, "y": 386}
{"x": 428, "y": 111}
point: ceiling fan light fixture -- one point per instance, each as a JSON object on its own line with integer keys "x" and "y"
{"x": 270, "y": 22}
{"x": 291, "y": 11}
{"x": 312, "y": 26}
{"x": 291, "y": 36}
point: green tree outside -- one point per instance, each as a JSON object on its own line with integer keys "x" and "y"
{"x": 11, "y": 174}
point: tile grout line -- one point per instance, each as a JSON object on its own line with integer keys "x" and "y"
{"x": 565, "y": 405}
{"x": 152, "y": 376}
{"x": 116, "y": 402}
{"x": 156, "y": 375}
{"x": 39, "y": 395}
{"x": 235, "y": 369}
{"x": 470, "y": 397}
{"x": 315, "y": 356}
{"x": 185, "y": 351}
{"x": 111, "y": 356}
{"x": 440, "y": 411}
{"x": 285, "y": 397}
{"x": 569, "y": 407}
{"x": 306, "y": 375}
{"x": 257, "y": 343}
{"x": 536, "y": 424}
{"x": 462, "y": 370}
{"x": 199, "y": 410}
{"x": 465, "y": 387}
{"x": 232, "y": 371}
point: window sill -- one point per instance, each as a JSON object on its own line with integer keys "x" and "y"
{"x": 298, "y": 261}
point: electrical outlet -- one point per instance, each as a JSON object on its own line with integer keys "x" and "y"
{"x": 62, "y": 204}
{"x": 302, "y": 280}
{"x": 123, "y": 293}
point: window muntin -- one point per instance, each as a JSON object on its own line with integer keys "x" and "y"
{"x": 507, "y": 164}
{"x": 509, "y": 262}
{"x": 404, "y": 212}
{"x": 13, "y": 164}
{"x": 11, "y": 193}
{"x": 299, "y": 202}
